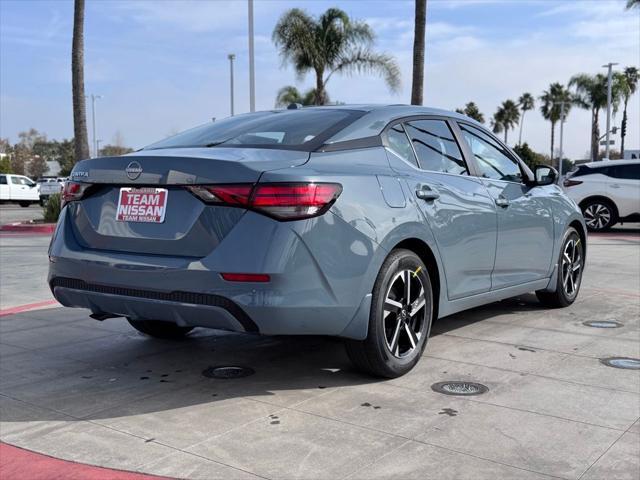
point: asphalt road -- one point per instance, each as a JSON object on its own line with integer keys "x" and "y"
{"x": 99, "y": 393}
{"x": 15, "y": 213}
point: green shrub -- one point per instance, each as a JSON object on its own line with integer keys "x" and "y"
{"x": 52, "y": 208}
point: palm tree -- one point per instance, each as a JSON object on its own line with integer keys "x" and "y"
{"x": 471, "y": 110}
{"x": 505, "y": 118}
{"x": 77, "y": 81}
{"x": 591, "y": 94}
{"x": 552, "y": 107}
{"x": 525, "y": 102}
{"x": 332, "y": 43}
{"x": 629, "y": 87}
{"x": 290, "y": 94}
{"x": 417, "y": 84}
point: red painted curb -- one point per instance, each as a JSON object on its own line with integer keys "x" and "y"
{"x": 28, "y": 227}
{"x": 26, "y": 308}
{"x": 18, "y": 464}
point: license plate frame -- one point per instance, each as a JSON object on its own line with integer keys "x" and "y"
{"x": 142, "y": 205}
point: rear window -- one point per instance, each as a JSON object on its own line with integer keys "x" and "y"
{"x": 287, "y": 129}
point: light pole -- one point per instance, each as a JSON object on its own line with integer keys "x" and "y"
{"x": 93, "y": 122}
{"x": 562, "y": 120}
{"x": 231, "y": 58}
{"x": 252, "y": 78}
{"x": 608, "y": 66}
{"x": 98, "y": 147}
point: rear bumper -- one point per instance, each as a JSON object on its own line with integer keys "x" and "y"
{"x": 312, "y": 291}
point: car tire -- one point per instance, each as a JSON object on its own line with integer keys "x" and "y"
{"x": 569, "y": 277}
{"x": 159, "y": 329}
{"x": 599, "y": 214}
{"x": 390, "y": 350}
{"x": 24, "y": 204}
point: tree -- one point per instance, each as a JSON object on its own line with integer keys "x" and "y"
{"x": 530, "y": 157}
{"x": 31, "y": 137}
{"x": 114, "y": 150}
{"x": 551, "y": 108}
{"x": 290, "y": 94}
{"x": 471, "y": 110}
{"x": 526, "y": 102}
{"x": 591, "y": 94}
{"x": 5, "y": 165}
{"x": 21, "y": 155}
{"x": 505, "y": 118}
{"x": 66, "y": 156}
{"x": 629, "y": 85}
{"x": 77, "y": 80}
{"x": 37, "y": 167}
{"x": 332, "y": 43}
{"x": 417, "y": 82}
{"x": 633, "y": 4}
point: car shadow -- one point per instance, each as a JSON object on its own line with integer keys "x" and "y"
{"x": 129, "y": 374}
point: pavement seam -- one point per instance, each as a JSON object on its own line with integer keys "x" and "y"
{"x": 535, "y": 375}
{"x": 605, "y": 452}
{"x": 560, "y": 352}
{"x": 81, "y": 420}
{"x": 422, "y": 442}
{"x": 485, "y": 402}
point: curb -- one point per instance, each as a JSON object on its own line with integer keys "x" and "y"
{"x": 28, "y": 227}
{"x": 28, "y": 307}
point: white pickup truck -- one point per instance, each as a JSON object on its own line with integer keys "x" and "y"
{"x": 49, "y": 186}
{"x": 18, "y": 189}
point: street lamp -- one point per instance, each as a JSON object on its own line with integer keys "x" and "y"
{"x": 608, "y": 66}
{"x": 231, "y": 58}
{"x": 93, "y": 121}
{"x": 252, "y": 77}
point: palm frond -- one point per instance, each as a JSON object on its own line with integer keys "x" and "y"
{"x": 363, "y": 60}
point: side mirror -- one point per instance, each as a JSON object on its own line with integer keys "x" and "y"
{"x": 545, "y": 175}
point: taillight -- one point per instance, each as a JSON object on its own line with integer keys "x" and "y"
{"x": 72, "y": 191}
{"x": 283, "y": 201}
{"x": 571, "y": 183}
{"x": 246, "y": 277}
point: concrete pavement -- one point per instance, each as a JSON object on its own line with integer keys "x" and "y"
{"x": 102, "y": 394}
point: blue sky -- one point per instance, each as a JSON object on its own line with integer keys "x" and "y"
{"x": 162, "y": 65}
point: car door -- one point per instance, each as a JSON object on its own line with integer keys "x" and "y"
{"x": 455, "y": 205}
{"x": 624, "y": 188}
{"x": 19, "y": 188}
{"x": 4, "y": 188}
{"x": 525, "y": 219}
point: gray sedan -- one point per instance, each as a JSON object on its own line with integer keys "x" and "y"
{"x": 362, "y": 222}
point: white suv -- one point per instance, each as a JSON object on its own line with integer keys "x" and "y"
{"x": 607, "y": 192}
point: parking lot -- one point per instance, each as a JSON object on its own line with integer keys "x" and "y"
{"x": 99, "y": 393}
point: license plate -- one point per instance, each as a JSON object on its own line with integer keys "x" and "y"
{"x": 146, "y": 205}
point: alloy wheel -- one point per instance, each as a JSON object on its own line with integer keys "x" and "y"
{"x": 597, "y": 216}
{"x": 572, "y": 266}
{"x": 404, "y": 313}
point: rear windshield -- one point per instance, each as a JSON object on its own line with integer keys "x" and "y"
{"x": 287, "y": 129}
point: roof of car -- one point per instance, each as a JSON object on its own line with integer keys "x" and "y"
{"x": 609, "y": 163}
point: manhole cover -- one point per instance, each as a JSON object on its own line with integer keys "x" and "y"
{"x": 226, "y": 373}
{"x": 603, "y": 324}
{"x": 622, "y": 362}
{"x": 459, "y": 388}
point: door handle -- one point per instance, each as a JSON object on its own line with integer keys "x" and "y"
{"x": 502, "y": 201}
{"x": 426, "y": 193}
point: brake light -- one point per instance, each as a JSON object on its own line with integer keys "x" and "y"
{"x": 283, "y": 201}
{"x": 246, "y": 277}
{"x": 72, "y": 191}
{"x": 571, "y": 183}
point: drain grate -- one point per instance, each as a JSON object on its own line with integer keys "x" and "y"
{"x": 622, "y": 362}
{"x": 459, "y": 388}
{"x": 227, "y": 372}
{"x": 603, "y": 324}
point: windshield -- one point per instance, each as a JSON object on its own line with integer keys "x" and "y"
{"x": 287, "y": 129}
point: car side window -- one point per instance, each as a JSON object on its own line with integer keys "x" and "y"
{"x": 626, "y": 172}
{"x": 16, "y": 180}
{"x": 436, "y": 147}
{"x": 399, "y": 144}
{"x": 3, "y": 180}
{"x": 492, "y": 159}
